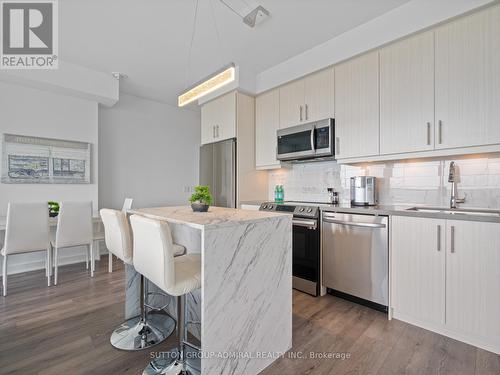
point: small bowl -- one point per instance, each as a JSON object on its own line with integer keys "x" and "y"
{"x": 199, "y": 207}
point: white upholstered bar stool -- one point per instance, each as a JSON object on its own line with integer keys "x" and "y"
{"x": 177, "y": 276}
{"x": 148, "y": 328}
{"x": 74, "y": 228}
{"x": 127, "y": 205}
{"x": 27, "y": 230}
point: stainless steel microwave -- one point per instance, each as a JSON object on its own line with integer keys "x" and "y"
{"x": 307, "y": 141}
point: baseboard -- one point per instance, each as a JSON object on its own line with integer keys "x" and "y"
{"x": 14, "y": 267}
{"x": 445, "y": 331}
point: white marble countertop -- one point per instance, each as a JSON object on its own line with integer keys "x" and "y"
{"x": 96, "y": 218}
{"x": 215, "y": 215}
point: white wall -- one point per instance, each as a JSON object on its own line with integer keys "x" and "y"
{"x": 33, "y": 112}
{"x": 148, "y": 152}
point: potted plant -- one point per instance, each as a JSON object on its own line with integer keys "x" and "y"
{"x": 53, "y": 208}
{"x": 201, "y": 199}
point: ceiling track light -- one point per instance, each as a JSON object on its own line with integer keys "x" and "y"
{"x": 207, "y": 85}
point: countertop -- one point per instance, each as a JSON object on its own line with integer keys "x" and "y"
{"x": 402, "y": 210}
{"x": 214, "y": 216}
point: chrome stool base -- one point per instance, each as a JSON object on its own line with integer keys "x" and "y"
{"x": 169, "y": 364}
{"x": 133, "y": 334}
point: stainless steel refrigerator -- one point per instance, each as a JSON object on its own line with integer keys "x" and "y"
{"x": 218, "y": 170}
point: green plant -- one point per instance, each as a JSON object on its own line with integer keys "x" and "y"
{"x": 53, "y": 206}
{"x": 202, "y": 195}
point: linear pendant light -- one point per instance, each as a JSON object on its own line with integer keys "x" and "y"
{"x": 214, "y": 81}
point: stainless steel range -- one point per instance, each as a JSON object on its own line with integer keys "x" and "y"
{"x": 306, "y": 243}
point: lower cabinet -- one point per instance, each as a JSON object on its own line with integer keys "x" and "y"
{"x": 446, "y": 277}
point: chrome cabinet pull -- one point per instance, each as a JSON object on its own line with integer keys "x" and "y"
{"x": 439, "y": 238}
{"x": 440, "y": 131}
{"x": 213, "y": 131}
{"x": 307, "y": 112}
{"x": 428, "y": 133}
{"x": 452, "y": 239}
{"x": 300, "y": 110}
{"x": 217, "y": 131}
{"x": 337, "y": 146}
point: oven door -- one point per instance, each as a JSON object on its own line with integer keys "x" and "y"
{"x": 296, "y": 142}
{"x": 306, "y": 256}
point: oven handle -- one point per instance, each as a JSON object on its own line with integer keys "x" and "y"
{"x": 309, "y": 224}
{"x": 354, "y": 224}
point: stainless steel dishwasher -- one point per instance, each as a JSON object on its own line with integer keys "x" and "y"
{"x": 355, "y": 257}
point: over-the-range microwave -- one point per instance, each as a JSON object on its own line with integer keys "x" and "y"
{"x": 307, "y": 141}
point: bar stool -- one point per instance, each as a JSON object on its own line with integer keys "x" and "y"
{"x": 149, "y": 328}
{"x": 177, "y": 276}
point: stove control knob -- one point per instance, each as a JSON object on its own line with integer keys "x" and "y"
{"x": 271, "y": 206}
{"x": 310, "y": 210}
{"x": 301, "y": 209}
{"x": 264, "y": 206}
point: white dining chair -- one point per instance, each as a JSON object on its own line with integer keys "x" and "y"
{"x": 27, "y": 230}
{"x": 74, "y": 228}
{"x": 127, "y": 205}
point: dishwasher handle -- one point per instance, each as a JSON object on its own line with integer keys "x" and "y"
{"x": 354, "y": 223}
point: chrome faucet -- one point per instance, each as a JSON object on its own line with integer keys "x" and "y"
{"x": 452, "y": 177}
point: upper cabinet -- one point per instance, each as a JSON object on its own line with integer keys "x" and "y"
{"x": 307, "y": 99}
{"x": 357, "y": 107}
{"x": 407, "y": 95}
{"x": 291, "y": 104}
{"x": 267, "y": 118}
{"x": 218, "y": 119}
{"x": 468, "y": 81}
{"x": 319, "y": 95}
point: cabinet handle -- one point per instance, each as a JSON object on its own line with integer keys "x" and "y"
{"x": 307, "y": 112}
{"x": 452, "y": 239}
{"x": 213, "y": 131}
{"x": 300, "y": 110}
{"x": 217, "y": 127}
{"x": 428, "y": 133}
{"x": 439, "y": 238}
{"x": 337, "y": 146}
{"x": 440, "y": 131}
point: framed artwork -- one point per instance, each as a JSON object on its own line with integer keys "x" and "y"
{"x": 35, "y": 160}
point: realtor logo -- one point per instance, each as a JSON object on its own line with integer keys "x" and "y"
{"x": 29, "y": 34}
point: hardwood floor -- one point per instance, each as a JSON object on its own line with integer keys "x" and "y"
{"x": 65, "y": 330}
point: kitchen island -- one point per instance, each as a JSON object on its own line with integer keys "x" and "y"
{"x": 245, "y": 301}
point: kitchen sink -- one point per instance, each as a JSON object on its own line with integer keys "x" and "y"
{"x": 455, "y": 211}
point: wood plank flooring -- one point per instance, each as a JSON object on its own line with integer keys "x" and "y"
{"x": 65, "y": 330}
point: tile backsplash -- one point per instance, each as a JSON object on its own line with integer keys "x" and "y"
{"x": 423, "y": 181}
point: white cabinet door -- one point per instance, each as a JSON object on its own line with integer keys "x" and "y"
{"x": 473, "y": 280}
{"x": 407, "y": 95}
{"x": 218, "y": 119}
{"x": 418, "y": 269}
{"x": 225, "y": 116}
{"x": 318, "y": 98}
{"x": 266, "y": 125}
{"x": 468, "y": 81}
{"x": 207, "y": 124}
{"x": 292, "y": 111}
{"x": 357, "y": 107}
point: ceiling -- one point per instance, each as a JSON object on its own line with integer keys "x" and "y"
{"x": 148, "y": 40}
